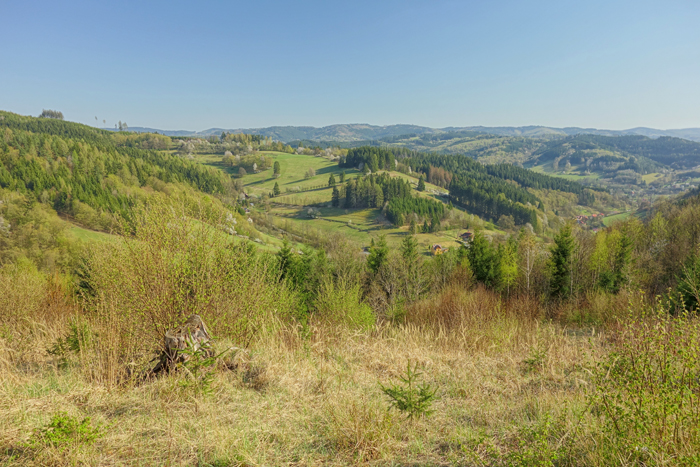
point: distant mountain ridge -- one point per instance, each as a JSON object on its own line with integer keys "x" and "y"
{"x": 363, "y": 132}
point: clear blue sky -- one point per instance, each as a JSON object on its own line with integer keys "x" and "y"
{"x": 195, "y": 65}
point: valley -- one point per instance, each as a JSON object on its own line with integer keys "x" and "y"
{"x": 330, "y": 276}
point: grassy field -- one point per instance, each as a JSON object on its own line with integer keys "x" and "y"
{"x": 546, "y": 169}
{"x": 293, "y": 168}
{"x": 86, "y": 235}
{"x": 311, "y": 397}
{"x": 287, "y": 405}
{"x": 652, "y": 177}
{"x": 289, "y": 211}
{"x": 361, "y": 226}
{"x": 610, "y": 220}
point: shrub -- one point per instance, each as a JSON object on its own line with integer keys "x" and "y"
{"x": 169, "y": 267}
{"x": 78, "y": 337}
{"x": 647, "y": 390}
{"x": 541, "y": 444}
{"x": 64, "y": 431}
{"x": 199, "y": 369}
{"x": 341, "y": 303}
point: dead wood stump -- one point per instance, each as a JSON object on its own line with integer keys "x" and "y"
{"x": 180, "y": 343}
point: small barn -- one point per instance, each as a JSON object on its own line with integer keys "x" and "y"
{"x": 466, "y": 237}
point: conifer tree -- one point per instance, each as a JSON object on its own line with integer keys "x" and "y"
{"x": 331, "y": 180}
{"x": 285, "y": 257}
{"x": 335, "y": 198}
{"x": 276, "y": 189}
{"x": 621, "y": 261}
{"x": 349, "y": 195}
{"x": 482, "y": 259}
{"x": 434, "y": 223}
{"x": 342, "y": 177}
{"x": 560, "y": 263}
{"x": 413, "y": 228}
{"x": 378, "y": 254}
{"x": 409, "y": 250}
{"x": 421, "y": 184}
{"x": 276, "y": 169}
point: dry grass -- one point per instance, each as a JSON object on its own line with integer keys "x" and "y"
{"x": 515, "y": 385}
{"x": 311, "y": 397}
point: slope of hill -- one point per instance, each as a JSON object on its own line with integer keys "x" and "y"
{"x": 95, "y": 178}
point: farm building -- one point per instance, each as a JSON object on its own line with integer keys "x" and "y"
{"x": 466, "y": 237}
{"x": 437, "y": 249}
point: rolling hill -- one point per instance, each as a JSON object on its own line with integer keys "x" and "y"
{"x": 365, "y": 132}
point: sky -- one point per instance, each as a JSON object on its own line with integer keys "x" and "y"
{"x": 227, "y": 64}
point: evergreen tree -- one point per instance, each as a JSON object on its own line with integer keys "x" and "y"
{"x": 413, "y": 228}
{"x": 621, "y": 261}
{"x": 349, "y": 195}
{"x": 560, "y": 262}
{"x": 426, "y": 228}
{"x": 409, "y": 250}
{"x": 331, "y": 180}
{"x": 434, "y": 223}
{"x": 276, "y": 189}
{"x": 482, "y": 259}
{"x": 276, "y": 169}
{"x": 335, "y": 198}
{"x": 421, "y": 184}
{"x": 342, "y": 177}
{"x": 378, "y": 197}
{"x": 378, "y": 254}
{"x": 285, "y": 259}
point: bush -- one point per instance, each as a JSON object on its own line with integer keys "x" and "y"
{"x": 76, "y": 339}
{"x": 647, "y": 391}
{"x": 64, "y": 431}
{"x": 170, "y": 267}
{"x": 340, "y": 303}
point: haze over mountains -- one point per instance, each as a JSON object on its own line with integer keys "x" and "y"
{"x": 364, "y": 132}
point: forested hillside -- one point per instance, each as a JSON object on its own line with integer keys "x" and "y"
{"x": 85, "y": 172}
{"x": 490, "y": 191}
{"x": 636, "y": 168}
{"x": 637, "y": 151}
{"x": 666, "y": 151}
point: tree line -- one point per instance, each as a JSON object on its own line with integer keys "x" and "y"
{"x": 491, "y": 191}
{"x": 382, "y": 190}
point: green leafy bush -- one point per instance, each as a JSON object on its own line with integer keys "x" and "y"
{"x": 542, "y": 444}
{"x": 64, "y": 431}
{"x": 199, "y": 369}
{"x": 341, "y": 303}
{"x": 647, "y": 390}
